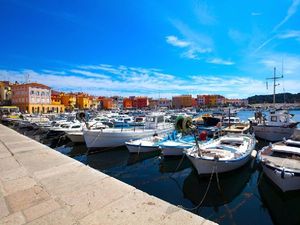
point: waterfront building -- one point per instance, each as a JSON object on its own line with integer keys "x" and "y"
{"x": 127, "y": 103}
{"x": 108, "y": 103}
{"x": 83, "y": 101}
{"x": 182, "y": 101}
{"x": 5, "y": 92}
{"x": 210, "y": 100}
{"x": 237, "y": 102}
{"x": 164, "y": 102}
{"x": 68, "y": 100}
{"x": 34, "y": 98}
{"x": 140, "y": 102}
{"x": 153, "y": 103}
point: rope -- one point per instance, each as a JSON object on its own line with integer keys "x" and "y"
{"x": 178, "y": 166}
{"x": 206, "y": 191}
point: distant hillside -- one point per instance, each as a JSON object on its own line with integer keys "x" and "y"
{"x": 289, "y": 98}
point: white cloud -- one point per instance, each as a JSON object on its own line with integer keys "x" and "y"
{"x": 291, "y": 11}
{"x": 290, "y": 34}
{"x": 89, "y": 74}
{"x": 173, "y": 40}
{"x": 220, "y": 61}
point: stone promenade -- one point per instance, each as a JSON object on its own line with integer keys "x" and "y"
{"x": 38, "y": 185}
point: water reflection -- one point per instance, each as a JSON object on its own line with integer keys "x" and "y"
{"x": 135, "y": 158}
{"x": 231, "y": 185}
{"x": 282, "y": 207}
{"x": 171, "y": 165}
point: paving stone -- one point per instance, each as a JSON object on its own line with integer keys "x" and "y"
{"x": 40, "y": 160}
{"x": 41, "y": 209}
{"x": 26, "y": 145}
{"x": 137, "y": 207}
{"x": 3, "y": 208}
{"x": 13, "y": 174}
{"x": 54, "y": 171}
{"x": 13, "y": 219}
{"x": 27, "y": 198}
{"x": 95, "y": 196}
{"x": 61, "y": 183}
{"x": 57, "y": 217}
{"x": 4, "y": 155}
{"x": 8, "y": 163}
{"x": 19, "y": 184}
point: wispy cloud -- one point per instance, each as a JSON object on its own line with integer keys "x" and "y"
{"x": 220, "y": 61}
{"x": 290, "y": 34}
{"x": 291, "y": 11}
{"x": 191, "y": 50}
{"x": 204, "y": 13}
{"x": 256, "y": 14}
{"x": 145, "y": 81}
{"x": 173, "y": 40}
{"x": 88, "y": 73}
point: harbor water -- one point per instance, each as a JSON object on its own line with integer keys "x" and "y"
{"x": 243, "y": 196}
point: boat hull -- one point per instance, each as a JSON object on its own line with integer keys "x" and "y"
{"x": 76, "y": 137}
{"x": 272, "y": 133}
{"x": 279, "y": 178}
{"x": 141, "y": 149}
{"x": 116, "y": 137}
{"x": 207, "y": 166}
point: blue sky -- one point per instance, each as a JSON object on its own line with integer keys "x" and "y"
{"x": 155, "y": 48}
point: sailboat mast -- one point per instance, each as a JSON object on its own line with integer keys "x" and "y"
{"x": 274, "y": 78}
{"x": 274, "y": 86}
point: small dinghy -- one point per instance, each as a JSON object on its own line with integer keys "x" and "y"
{"x": 223, "y": 154}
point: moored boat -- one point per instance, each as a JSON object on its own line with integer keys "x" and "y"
{"x": 223, "y": 154}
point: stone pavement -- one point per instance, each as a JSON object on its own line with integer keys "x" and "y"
{"x": 39, "y": 185}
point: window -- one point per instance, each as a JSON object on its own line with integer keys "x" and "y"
{"x": 32, "y": 92}
{"x": 38, "y": 93}
{"x": 274, "y": 118}
{"x": 42, "y": 93}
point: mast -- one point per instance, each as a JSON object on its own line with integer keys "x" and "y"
{"x": 274, "y": 78}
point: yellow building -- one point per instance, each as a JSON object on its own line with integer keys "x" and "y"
{"x": 83, "y": 101}
{"x": 68, "y": 100}
{"x": 182, "y": 101}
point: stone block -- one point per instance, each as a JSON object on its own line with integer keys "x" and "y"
{"x": 94, "y": 196}
{"x": 13, "y": 219}
{"x": 26, "y": 198}
{"x": 8, "y": 163}
{"x": 40, "y": 210}
{"x": 3, "y": 208}
{"x": 19, "y": 184}
{"x": 57, "y": 217}
{"x": 13, "y": 174}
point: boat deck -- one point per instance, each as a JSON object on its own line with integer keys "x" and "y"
{"x": 283, "y": 162}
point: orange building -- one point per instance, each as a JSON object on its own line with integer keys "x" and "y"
{"x": 127, "y": 103}
{"x": 34, "y": 98}
{"x": 108, "y": 103}
{"x": 140, "y": 102}
{"x": 182, "y": 101}
{"x": 83, "y": 101}
{"x": 68, "y": 100}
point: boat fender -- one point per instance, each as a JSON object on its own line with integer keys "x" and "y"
{"x": 203, "y": 135}
{"x": 219, "y": 125}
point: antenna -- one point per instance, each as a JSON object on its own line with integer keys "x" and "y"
{"x": 274, "y": 78}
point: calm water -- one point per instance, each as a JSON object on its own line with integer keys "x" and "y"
{"x": 245, "y": 195}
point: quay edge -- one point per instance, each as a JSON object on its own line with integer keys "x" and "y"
{"x": 39, "y": 185}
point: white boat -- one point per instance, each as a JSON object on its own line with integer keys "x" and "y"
{"x": 281, "y": 163}
{"x": 221, "y": 155}
{"x": 276, "y": 126}
{"x": 176, "y": 146}
{"x": 231, "y": 120}
{"x": 114, "y": 137}
{"x": 148, "y": 144}
{"x": 76, "y": 136}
